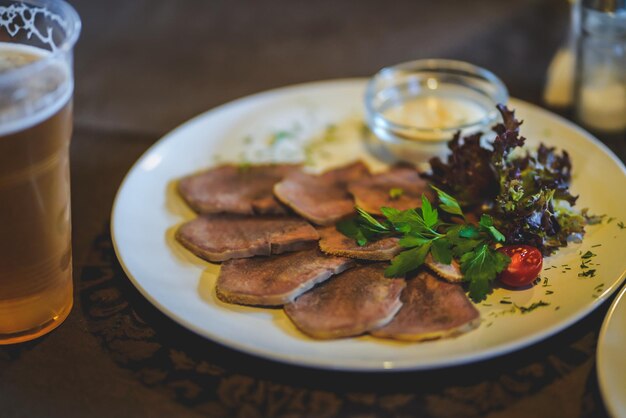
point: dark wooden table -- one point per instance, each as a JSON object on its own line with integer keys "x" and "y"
{"x": 145, "y": 66}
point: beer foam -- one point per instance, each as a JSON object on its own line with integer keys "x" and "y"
{"x": 30, "y": 99}
{"x": 22, "y": 17}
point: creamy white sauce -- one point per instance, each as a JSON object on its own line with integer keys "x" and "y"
{"x": 435, "y": 112}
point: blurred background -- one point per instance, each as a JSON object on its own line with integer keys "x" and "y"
{"x": 147, "y": 65}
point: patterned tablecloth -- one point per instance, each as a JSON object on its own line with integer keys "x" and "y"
{"x": 553, "y": 378}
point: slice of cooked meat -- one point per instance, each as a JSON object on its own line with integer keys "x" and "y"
{"x": 222, "y": 237}
{"x": 276, "y": 280}
{"x": 375, "y": 192}
{"x": 324, "y": 198}
{"x": 335, "y": 243}
{"x": 233, "y": 189}
{"x": 431, "y": 309}
{"x": 349, "y": 304}
{"x": 451, "y": 272}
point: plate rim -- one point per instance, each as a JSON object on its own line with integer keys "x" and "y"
{"x": 398, "y": 366}
{"x": 609, "y": 402}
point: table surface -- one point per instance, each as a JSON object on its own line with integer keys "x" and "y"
{"x": 145, "y": 66}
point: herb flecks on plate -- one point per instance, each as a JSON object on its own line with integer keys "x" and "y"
{"x": 423, "y": 231}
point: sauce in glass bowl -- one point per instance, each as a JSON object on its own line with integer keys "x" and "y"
{"x": 414, "y": 109}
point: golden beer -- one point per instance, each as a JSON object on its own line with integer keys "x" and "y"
{"x": 35, "y": 231}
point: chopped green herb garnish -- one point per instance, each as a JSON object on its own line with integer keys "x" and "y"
{"x": 588, "y": 273}
{"x": 592, "y": 219}
{"x": 506, "y": 302}
{"x": 329, "y": 135}
{"x": 395, "y": 193}
{"x": 549, "y": 292}
{"x": 588, "y": 254}
{"x": 597, "y": 245}
{"x": 244, "y": 167}
{"x": 621, "y": 225}
{"x": 280, "y": 136}
{"x": 532, "y": 307}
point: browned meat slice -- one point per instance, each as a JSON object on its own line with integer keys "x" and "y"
{"x": 323, "y": 199}
{"x": 335, "y": 243}
{"x": 276, "y": 280}
{"x": 233, "y": 189}
{"x": 431, "y": 309}
{"x": 349, "y": 304}
{"x": 222, "y": 237}
{"x": 400, "y": 188}
{"x": 451, "y": 272}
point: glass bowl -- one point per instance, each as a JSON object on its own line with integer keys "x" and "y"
{"x": 413, "y": 109}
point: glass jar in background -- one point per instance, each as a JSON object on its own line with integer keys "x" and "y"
{"x": 36, "y": 85}
{"x": 600, "y": 95}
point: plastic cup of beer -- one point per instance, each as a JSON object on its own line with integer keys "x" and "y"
{"x": 36, "y": 85}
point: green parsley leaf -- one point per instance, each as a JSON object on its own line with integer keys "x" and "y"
{"x": 351, "y": 229}
{"x": 390, "y": 213}
{"x": 480, "y": 267}
{"x": 461, "y": 245}
{"x": 407, "y": 260}
{"x": 370, "y": 221}
{"x": 405, "y": 221}
{"x": 469, "y": 231}
{"x": 395, "y": 193}
{"x": 430, "y": 215}
{"x": 486, "y": 222}
{"x": 440, "y": 249}
{"x": 410, "y": 241}
{"x": 448, "y": 203}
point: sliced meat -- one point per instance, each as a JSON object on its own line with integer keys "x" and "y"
{"x": 431, "y": 309}
{"x": 276, "y": 280}
{"x": 349, "y": 304}
{"x": 451, "y": 272}
{"x": 335, "y": 243}
{"x": 400, "y": 188}
{"x": 235, "y": 189}
{"x": 222, "y": 237}
{"x": 323, "y": 199}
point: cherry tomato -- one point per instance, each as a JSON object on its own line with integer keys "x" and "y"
{"x": 526, "y": 263}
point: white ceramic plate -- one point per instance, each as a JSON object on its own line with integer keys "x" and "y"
{"x": 323, "y": 122}
{"x": 611, "y": 359}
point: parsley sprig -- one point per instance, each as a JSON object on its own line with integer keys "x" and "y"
{"x": 423, "y": 231}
